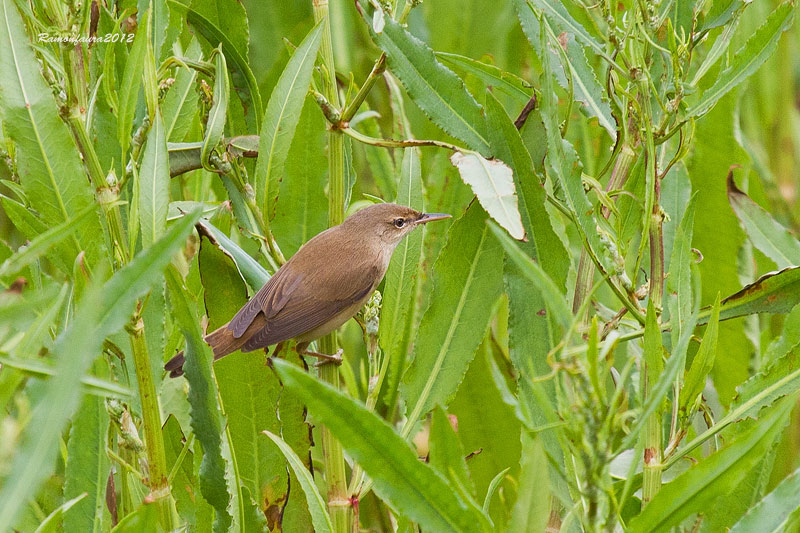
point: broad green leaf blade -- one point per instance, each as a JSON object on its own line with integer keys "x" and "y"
{"x": 302, "y": 209}
{"x": 280, "y": 121}
{"x": 446, "y": 454}
{"x": 215, "y": 126}
{"x": 467, "y": 281}
{"x": 748, "y": 58}
{"x": 249, "y": 392}
{"x": 316, "y": 504}
{"x": 766, "y": 234}
{"x": 410, "y": 487}
{"x": 102, "y": 311}
{"x": 544, "y": 245}
{"x": 491, "y": 75}
{"x": 776, "y": 511}
{"x": 48, "y": 163}
{"x": 492, "y": 182}
{"x": 153, "y": 184}
{"x": 718, "y": 474}
{"x": 432, "y": 86}
{"x": 128, "y": 92}
{"x": 532, "y": 508}
{"x": 555, "y": 301}
{"x": 402, "y": 285}
{"x": 52, "y": 523}
{"x": 87, "y": 467}
{"x": 252, "y": 272}
{"x": 206, "y": 420}
{"x": 701, "y": 365}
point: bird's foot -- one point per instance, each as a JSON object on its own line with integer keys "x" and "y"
{"x": 324, "y": 358}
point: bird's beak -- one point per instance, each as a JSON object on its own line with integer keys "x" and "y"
{"x": 430, "y": 217}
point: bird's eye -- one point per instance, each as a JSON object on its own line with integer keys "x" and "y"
{"x": 399, "y": 222}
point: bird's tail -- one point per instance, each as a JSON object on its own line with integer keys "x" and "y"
{"x": 221, "y": 341}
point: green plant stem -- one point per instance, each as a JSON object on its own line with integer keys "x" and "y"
{"x": 339, "y": 505}
{"x": 622, "y": 169}
{"x": 151, "y": 419}
{"x": 393, "y": 143}
{"x": 361, "y": 95}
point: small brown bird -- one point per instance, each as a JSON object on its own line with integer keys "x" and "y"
{"x": 321, "y": 287}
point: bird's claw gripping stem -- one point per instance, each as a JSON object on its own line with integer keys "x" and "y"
{"x": 325, "y": 359}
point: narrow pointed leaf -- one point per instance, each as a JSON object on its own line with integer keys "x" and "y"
{"x": 154, "y": 184}
{"x": 467, "y": 281}
{"x": 766, "y": 234}
{"x": 748, "y": 58}
{"x": 432, "y": 86}
{"x": 776, "y": 512}
{"x": 280, "y": 120}
{"x": 697, "y": 488}
{"x": 702, "y": 363}
{"x": 49, "y": 166}
{"x": 506, "y": 82}
{"x": 412, "y": 488}
{"x": 316, "y": 504}
{"x": 532, "y": 508}
{"x": 215, "y": 126}
{"x": 131, "y": 83}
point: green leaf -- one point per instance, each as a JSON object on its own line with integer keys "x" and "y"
{"x": 543, "y": 244}
{"x": 766, "y": 387}
{"x": 432, "y": 86}
{"x": 249, "y": 392}
{"x": 224, "y": 33}
{"x": 215, "y": 126}
{"x": 446, "y": 454}
{"x": 718, "y": 237}
{"x": 153, "y": 184}
{"x": 532, "y": 509}
{"x": 410, "y": 487}
{"x": 280, "y": 121}
{"x": 180, "y": 104}
{"x": 87, "y": 466}
{"x": 586, "y": 88}
{"x": 52, "y": 522}
{"x": 766, "y": 234}
{"x": 493, "y": 485}
{"x": 140, "y": 520}
{"x": 466, "y": 284}
{"x": 90, "y": 384}
{"x": 302, "y": 209}
{"x": 316, "y": 504}
{"x": 492, "y": 181}
{"x": 506, "y": 82}
{"x": 776, "y": 512}
{"x": 252, "y": 272}
{"x": 533, "y": 271}
{"x": 697, "y": 488}
{"x": 102, "y": 311}
{"x": 128, "y": 92}
{"x": 48, "y": 163}
{"x": 774, "y": 292}
{"x": 402, "y": 285}
{"x": 564, "y": 167}
{"x": 206, "y": 420}
{"x": 680, "y": 293}
{"x": 702, "y": 363}
{"x": 747, "y": 59}
{"x": 43, "y": 243}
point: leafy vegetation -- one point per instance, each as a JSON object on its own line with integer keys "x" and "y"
{"x": 603, "y": 338}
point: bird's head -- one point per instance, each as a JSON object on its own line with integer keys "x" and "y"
{"x": 389, "y": 222}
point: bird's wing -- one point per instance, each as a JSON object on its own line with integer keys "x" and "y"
{"x": 303, "y": 312}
